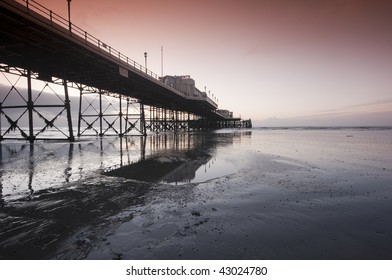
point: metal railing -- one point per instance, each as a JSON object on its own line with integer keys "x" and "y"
{"x": 65, "y": 26}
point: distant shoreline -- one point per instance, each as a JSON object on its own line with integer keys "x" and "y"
{"x": 323, "y": 127}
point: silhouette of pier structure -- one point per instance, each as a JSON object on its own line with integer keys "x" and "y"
{"x": 44, "y": 52}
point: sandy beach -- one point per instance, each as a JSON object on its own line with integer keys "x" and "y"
{"x": 230, "y": 194}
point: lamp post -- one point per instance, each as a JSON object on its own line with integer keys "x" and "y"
{"x": 145, "y": 61}
{"x": 69, "y": 16}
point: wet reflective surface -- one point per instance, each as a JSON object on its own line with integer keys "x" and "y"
{"x": 256, "y": 194}
{"x": 168, "y": 158}
{"x": 49, "y": 190}
{"x": 180, "y": 159}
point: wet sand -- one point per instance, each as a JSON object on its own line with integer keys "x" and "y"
{"x": 276, "y": 194}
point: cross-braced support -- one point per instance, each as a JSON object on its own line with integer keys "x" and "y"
{"x": 33, "y": 114}
{"x": 161, "y": 119}
{"x": 103, "y": 113}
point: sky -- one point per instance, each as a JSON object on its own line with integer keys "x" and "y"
{"x": 279, "y": 62}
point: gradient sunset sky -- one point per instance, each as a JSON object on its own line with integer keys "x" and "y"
{"x": 279, "y": 62}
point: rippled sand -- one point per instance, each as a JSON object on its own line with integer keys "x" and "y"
{"x": 256, "y": 194}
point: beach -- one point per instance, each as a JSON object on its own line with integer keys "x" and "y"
{"x": 298, "y": 193}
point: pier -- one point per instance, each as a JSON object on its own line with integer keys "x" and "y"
{"x": 117, "y": 96}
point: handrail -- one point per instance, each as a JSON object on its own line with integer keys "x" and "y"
{"x": 76, "y": 32}
{"x": 84, "y": 36}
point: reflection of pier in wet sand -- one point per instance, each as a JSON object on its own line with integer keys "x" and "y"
{"x": 158, "y": 170}
{"x": 175, "y": 159}
{"x": 171, "y": 158}
{"x": 37, "y": 219}
{"x": 282, "y": 194}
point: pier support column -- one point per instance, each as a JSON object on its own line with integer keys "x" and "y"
{"x": 68, "y": 109}
{"x": 30, "y": 107}
{"x": 188, "y": 122}
{"x": 120, "y": 115}
{"x": 80, "y": 109}
{"x": 176, "y": 121}
{"x": 127, "y": 116}
{"x": 142, "y": 120}
{"x": 26, "y": 110}
{"x": 1, "y": 112}
{"x": 100, "y": 113}
{"x": 165, "y": 119}
{"x": 1, "y": 178}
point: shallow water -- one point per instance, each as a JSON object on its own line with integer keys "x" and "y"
{"x": 229, "y": 194}
{"x": 27, "y": 168}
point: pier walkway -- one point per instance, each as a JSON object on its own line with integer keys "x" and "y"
{"x": 36, "y": 43}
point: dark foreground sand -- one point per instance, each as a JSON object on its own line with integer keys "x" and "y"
{"x": 294, "y": 195}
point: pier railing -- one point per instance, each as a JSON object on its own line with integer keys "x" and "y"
{"x": 65, "y": 26}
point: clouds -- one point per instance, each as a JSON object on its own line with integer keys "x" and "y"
{"x": 378, "y": 113}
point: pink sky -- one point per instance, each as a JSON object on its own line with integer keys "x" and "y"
{"x": 289, "y": 61}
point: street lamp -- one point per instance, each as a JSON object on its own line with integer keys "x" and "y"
{"x": 69, "y": 15}
{"x": 145, "y": 61}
